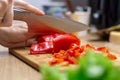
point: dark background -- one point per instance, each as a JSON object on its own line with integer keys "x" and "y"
{"x": 108, "y": 11}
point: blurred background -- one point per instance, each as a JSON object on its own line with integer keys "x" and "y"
{"x": 99, "y": 14}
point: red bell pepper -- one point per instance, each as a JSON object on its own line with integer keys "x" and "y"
{"x": 64, "y": 42}
{"x": 54, "y": 43}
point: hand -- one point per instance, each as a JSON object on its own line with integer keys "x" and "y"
{"x": 6, "y": 10}
{"x": 16, "y": 35}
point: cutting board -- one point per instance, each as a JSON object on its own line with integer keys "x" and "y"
{"x": 36, "y": 61}
{"x": 33, "y": 60}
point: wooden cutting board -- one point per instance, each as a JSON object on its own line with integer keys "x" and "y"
{"x": 33, "y": 60}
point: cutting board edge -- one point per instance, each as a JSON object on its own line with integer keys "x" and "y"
{"x": 32, "y": 64}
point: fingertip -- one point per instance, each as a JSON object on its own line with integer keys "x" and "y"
{"x": 42, "y": 13}
{"x": 39, "y": 12}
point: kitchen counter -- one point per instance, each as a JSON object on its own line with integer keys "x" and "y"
{"x": 11, "y": 68}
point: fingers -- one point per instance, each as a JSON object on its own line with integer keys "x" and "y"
{"x": 9, "y": 15}
{"x": 26, "y": 43}
{"x": 24, "y": 5}
{"x": 17, "y": 35}
{"x": 6, "y": 13}
{"x": 3, "y": 7}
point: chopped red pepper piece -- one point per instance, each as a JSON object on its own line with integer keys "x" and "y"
{"x": 90, "y": 46}
{"x": 44, "y": 47}
{"x": 103, "y": 49}
{"x": 111, "y": 56}
{"x": 71, "y": 55}
{"x": 72, "y": 60}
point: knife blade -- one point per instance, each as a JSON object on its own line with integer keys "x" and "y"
{"x": 49, "y": 24}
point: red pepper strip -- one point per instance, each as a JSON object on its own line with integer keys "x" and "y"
{"x": 90, "y": 46}
{"x": 56, "y": 61}
{"x": 103, "y": 49}
{"x": 111, "y": 56}
{"x": 44, "y": 47}
{"x": 45, "y": 38}
{"x": 72, "y": 60}
{"x": 108, "y": 54}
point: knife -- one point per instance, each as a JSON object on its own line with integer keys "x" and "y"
{"x": 48, "y": 24}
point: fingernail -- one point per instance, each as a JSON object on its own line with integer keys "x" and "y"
{"x": 41, "y": 13}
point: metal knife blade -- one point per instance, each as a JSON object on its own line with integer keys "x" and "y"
{"x": 49, "y": 24}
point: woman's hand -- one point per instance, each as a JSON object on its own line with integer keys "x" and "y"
{"x": 16, "y": 35}
{"x": 6, "y": 10}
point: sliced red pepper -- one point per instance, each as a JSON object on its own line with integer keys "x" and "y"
{"x": 72, "y": 60}
{"x": 103, "y": 49}
{"x": 107, "y": 52}
{"x": 111, "y": 56}
{"x": 45, "y": 38}
{"x": 90, "y": 46}
{"x": 44, "y": 47}
{"x": 66, "y": 48}
{"x": 64, "y": 42}
{"x": 56, "y": 61}
{"x": 54, "y": 43}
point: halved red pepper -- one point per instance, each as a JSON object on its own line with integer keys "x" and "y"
{"x": 54, "y": 43}
{"x": 64, "y": 42}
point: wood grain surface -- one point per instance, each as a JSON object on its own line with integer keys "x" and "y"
{"x": 11, "y": 68}
{"x": 33, "y": 60}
